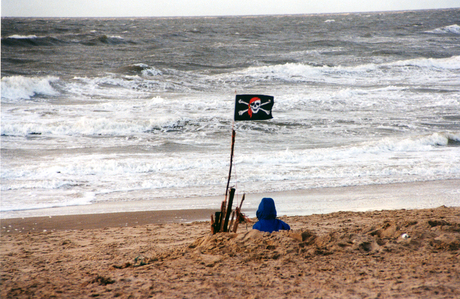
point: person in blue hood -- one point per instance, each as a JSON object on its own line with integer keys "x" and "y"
{"x": 266, "y": 213}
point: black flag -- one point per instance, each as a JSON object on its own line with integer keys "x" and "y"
{"x": 253, "y": 107}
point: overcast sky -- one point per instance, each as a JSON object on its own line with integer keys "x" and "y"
{"x": 158, "y": 8}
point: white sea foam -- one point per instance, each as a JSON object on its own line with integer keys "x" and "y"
{"x": 116, "y": 37}
{"x": 16, "y": 36}
{"x": 156, "y": 171}
{"x": 104, "y": 126}
{"x": 42, "y": 200}
{"x": 112, "y": 118}
{"x": 151, "y": 71}
{"x": 384, "y": 161}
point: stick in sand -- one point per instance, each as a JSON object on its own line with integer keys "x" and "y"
{"x": 229, "y": 209}
{"x": 230, "y": 226}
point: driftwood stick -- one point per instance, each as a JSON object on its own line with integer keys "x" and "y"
{"x": 230, "y": 226}
{"x": 217, "y": 222}
{"x": 212, "y": 225}
{"x": 241, "y": 203}
{"x": 239, "y": 215}
{"x": 229, "y": 209}
{"x": 237, "y": 221}
{"x": 222, "y": 216}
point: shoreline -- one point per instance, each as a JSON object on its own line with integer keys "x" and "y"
{"x": 412, "y": 195}
{"x": 404, "y": 196}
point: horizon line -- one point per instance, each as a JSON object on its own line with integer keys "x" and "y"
{"x": 229, "y": 16}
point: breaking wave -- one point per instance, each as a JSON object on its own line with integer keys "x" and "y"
{"x": 30, "y": 41}
{"x": 142, "y": 69}
{"x": 25, "y": 88}
{"x": 451, "y": 63}
{"x": 301, "y": 72}
{"x": 107, "y": 40}
{"x": 90, "y": 39}
{"x": 453, "y": 29}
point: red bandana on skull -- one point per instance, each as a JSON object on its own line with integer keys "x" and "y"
{"x": 249, "y": 106}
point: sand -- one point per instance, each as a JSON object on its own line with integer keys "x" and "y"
{"x": 376, "y": 254}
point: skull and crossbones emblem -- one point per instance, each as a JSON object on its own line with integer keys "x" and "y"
{"x": 254, "y": 106}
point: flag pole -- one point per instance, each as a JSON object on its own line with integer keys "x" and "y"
{"x": 222, "y": 218}
{"x": 226, "y": 207}
{"x": 231, "y": 157}
{"x": 231, "y": 161}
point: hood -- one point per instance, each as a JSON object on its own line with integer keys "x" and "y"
{"x": 266, "y": 209}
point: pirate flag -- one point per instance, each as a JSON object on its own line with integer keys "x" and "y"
{"x": 253, "y": 107}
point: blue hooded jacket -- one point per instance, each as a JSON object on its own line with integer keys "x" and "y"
{"x": 266, "y": 213}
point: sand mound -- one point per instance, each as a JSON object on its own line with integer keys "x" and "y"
{"x": 389, "y": 236}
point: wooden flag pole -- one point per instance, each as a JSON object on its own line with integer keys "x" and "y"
{"x": 220, "y": 222}
{"x": 231, "y": 163}
{"x": 227, "y": 206}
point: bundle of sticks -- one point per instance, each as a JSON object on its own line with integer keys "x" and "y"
{"x": 224, "y": 221}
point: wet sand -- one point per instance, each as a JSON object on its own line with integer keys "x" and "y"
{"x": 375, "y": 254}
{"x": 93, "y": 221}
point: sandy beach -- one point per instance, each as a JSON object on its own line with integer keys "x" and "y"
{"x": 375, "y": 254}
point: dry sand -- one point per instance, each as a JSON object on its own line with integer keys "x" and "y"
{"x": 131, "y": 255}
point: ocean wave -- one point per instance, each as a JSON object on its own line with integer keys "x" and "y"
{"x": 107, "y": 40}
{"x": 453, "y": 29}
{"x": 140, "y": 68}
{"x": 117, "y": 120}
{"x": 451, "y": 63}
{"x": 16, "y": 88}
{"x": 30, "y": 41}
{"x": 385, "y": 148}
{"x": 301, "y": 72}
{"x": 142, "y": 80}
{"x": 17, "y": 36}
{"x": 417, "y": 143}
{"x": 83, "y": 126}
{"x": 85, "y": 39}
{"x": 388, "y": 159}
{"x": 284, "y": 72}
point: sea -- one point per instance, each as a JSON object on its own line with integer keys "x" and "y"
{"x": 138, "y": 112}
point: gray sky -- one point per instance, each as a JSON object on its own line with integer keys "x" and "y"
{"x": 153, "y": 8}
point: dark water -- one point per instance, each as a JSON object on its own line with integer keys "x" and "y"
{"x": 94, "y": 47}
